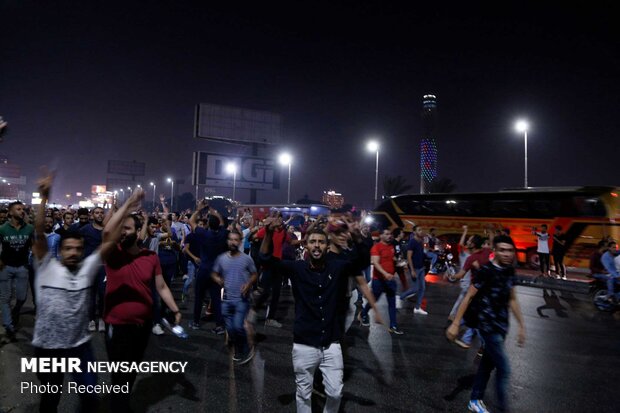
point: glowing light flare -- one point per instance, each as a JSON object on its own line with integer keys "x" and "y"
{"x": 521, "y": 125}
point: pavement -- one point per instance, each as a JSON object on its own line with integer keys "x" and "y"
{"x": 570, "y": 362}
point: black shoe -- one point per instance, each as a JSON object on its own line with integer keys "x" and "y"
{"x": 219, "y": 330}
{"x": 395, "y": 330}
{"x": 363, "y": 319}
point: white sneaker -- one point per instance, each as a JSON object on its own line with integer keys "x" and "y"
{"x": 157, "y": 330}
{"x": 101, "y": 325}
{"x": 419, "y": 311}
{"x": 270, "y": 322}
{"x": 91, "y": 326}
{"x": 477, "y": 406}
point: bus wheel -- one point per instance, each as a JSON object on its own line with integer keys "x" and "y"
{"x": 532, "y": 260}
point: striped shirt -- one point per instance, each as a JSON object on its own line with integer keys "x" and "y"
{"x": 235, "y": 271}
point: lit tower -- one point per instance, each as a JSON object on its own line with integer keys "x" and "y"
{"x": 428, "y": 146}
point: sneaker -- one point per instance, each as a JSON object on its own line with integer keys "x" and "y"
{"x": 270, "y": 322}
{"x": 395, "y": 330}
{"x": 419, "y": 311}
{"x": 245, "y": 359}
{"x": 91, "y": 326}
{"x": 363, "y": 319}
{"x": 433, "y": 272}
{"x": 101, "y": 326}
{"x": 480, "y": 352}
{"x": 157, "y": 330}
{"x": 237, "y": 358}
{"x": 185, "y": 277}
{"x": 564, "y": 277}
{"x": 219, "y": 330}
{"x": 461, "y": 343}
{"x": 477, "y": 406}
{"x": 194, "y": 326}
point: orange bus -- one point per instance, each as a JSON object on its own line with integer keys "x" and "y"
{"x": 586, "y": 215}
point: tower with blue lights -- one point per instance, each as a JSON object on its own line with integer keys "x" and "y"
{"x": 428, "y": 145}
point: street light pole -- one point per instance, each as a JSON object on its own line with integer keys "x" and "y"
{"x": 286, "y": 159}
{"x": 522, "y": 126}
{"x": 373, "y": 146}
{"x": 154, "y": 190}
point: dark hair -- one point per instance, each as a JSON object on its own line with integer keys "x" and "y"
{"x": 506, "y": 231}
{"x": 213, "y": 222}
{"x": 602, "y": 243}
{"x": 4, "y": 211}
{"x": 544, "y": 225}
{"x": 152, "y": 220}
{"x": 96, "y": 208}
{"x": 414, "y": 228}
{"x": 611, "y": 244}
{"x": 396, "y": 232}
{"x": 558, "y": 227}
{"x": 234, "y": 231}
{"x": 477, "y": 241}
{"x": 12, "y": 204}
{"x": 82, "y": 211}
{"x": 136, "y": 221}
{"x": 316, "y": 231}
{"x": 71, "y": 235}
{"x": 188, "y": 216}
{"x": 431, "y": 230}
{"x": 503, "y": 239}
{"x": 67, "y": 213}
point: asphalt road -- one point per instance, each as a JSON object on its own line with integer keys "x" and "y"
{"x": 570, "y": 363}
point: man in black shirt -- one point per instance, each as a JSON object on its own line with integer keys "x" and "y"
{"x": 485, "y": 307}
{"x": 558, "y": 251}
{"x": 319, "y": 286}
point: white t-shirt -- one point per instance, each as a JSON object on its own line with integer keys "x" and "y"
{"x": 63, "y": 302}
{"x": 543, "y": 242}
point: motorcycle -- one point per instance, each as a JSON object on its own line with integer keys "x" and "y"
{"x": 445, "y": 263}
{"x": 600, "y": 298}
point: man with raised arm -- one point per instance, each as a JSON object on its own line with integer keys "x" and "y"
{"x": 131, "y": 273}
{"x": 319, "y": 287}
{"x": 63, "y": 294}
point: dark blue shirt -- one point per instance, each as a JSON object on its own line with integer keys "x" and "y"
{"x": 212, "y": 244}
{"x": 418, "y": 253}
{"x": 194, "y": 244}
{"x": 490, "y": 304}
{"x": 92, "y": 238}
{"x": 318, "y": 293}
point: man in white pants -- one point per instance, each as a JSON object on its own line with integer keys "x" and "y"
{"x": 319, "y": 288}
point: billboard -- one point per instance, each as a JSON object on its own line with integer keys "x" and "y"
{"x": 252, "y": 172}
{"x": 98, "y": 189}
{"x": 228, "y": 123}
{"x": 132, "y": 168}
{"x": 116, "y": 184}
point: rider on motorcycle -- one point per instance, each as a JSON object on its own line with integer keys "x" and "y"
{"x": 608, "y": 262}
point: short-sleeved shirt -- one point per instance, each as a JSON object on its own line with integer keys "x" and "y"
{"x": 482, "y": 257}
{"x": 194, "y": 244}
{"x": 417, "y": 258}
{"x": 212, "y": 244}
{"x": 235, "y": 271}
{"x": 152, "y": 243}
{"x": 385, "y": 252}
{"x": 128, "y": 295}
{"x": 92, "y": 238}
{"x": 543, "y": 242}
{"x": 490, "y": 304}
{"x": 280, "y": 236}
{"x": 558, "y": 248}
{"x": 63, "y": 299}
{"x": 16, "y": 244}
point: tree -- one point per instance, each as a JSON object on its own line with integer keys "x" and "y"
{"x": 441, "y": 186}
{"x": 395, "y": 185}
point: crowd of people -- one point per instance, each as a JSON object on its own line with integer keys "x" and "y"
{"x": 112, "y": 271}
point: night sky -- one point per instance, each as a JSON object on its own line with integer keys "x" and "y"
{"x": 87, "y": 81}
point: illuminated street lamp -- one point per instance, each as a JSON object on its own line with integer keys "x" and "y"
{"x": 154, "y": 190}
{"x": 171, "y": 193}
{"x": 522, "y": 126}
{"x": 287, "y": 159}
{"x": 231, "y": 168}
{"x": 373, "y": 146}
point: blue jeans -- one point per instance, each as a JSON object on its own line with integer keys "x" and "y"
{"x": 49, "y": 401}
{"x": 433, "y": 257}
{"x": 366, "y": 272}
{"x": 610, "y": 285}
{"x": 234, "y": 313}
{"x": 191, "y": 273}
{"x": 10, "y": 276}
{"x": 389, "y": 288}
{"x": 418, "y": 287}
{"x": 494, "y": 357}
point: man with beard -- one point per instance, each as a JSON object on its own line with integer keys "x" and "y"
{"x": 236, "y": 273}
{"x": 63, "y": 291}
{"x": 128, "y": 311}
{"x": 16, "y": 237}
{"x": 3, "y": 215}
{"x": 53, "y": 239}
{"x": 92, "y": 233}
{"x": 319, "y": 287}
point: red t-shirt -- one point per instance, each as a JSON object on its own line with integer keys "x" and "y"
{"x": 482, "y": 256}
{"x": 386, "y": 259}
{"x": 128, "y": 295}
{"x": 279, "y": 237}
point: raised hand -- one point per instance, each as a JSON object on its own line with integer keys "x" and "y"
{"x": 45, "y": 182}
